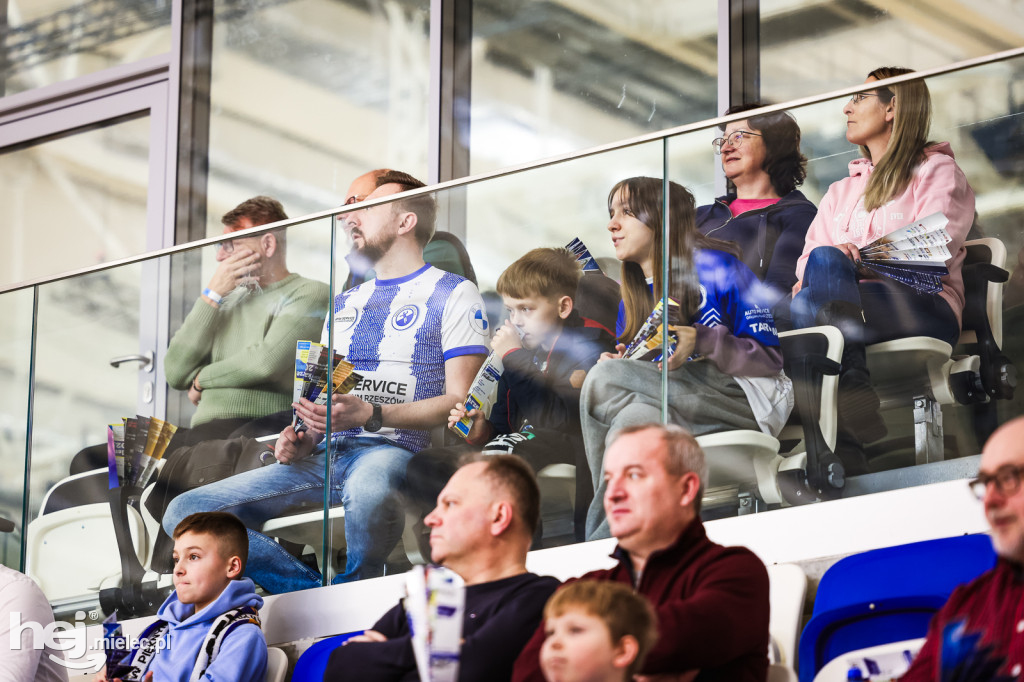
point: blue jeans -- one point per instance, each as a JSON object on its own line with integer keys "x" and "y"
{"x": 367, "y": 475}
{"x": 891, "y": 310}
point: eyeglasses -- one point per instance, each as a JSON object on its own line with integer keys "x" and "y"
{"x": 354, "y": 199}
{"x": 734, "y": 140}
{"x": 227, "y": 245}
{"x": 1006, "y": 478}
{"x": 861, "y": 96}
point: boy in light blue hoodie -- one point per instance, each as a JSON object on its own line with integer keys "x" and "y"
{"x": 209, "y": 628}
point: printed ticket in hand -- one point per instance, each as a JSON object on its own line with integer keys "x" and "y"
{"x": 311, "y": 377}
{"x": 648, "y": 342}
{"x": 435, "y": 604}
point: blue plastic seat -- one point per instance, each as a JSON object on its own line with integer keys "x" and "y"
{"x": 313, "y": 662}
{"x": 887, "y": 595}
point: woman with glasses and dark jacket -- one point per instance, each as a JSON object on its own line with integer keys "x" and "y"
{"x": 901, "y": 178}
{"x": 764, "y": 213}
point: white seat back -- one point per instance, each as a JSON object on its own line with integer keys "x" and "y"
{"x": 787, "y": 590}
{"x": 277, "y": 664}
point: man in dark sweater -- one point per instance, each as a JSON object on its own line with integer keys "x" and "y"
{"x": 711, "y": 601}
{"x": 481, "y": 529}
{"x": 988, "y": 612}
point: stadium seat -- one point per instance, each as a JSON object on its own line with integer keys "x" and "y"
{"x": 787, "y": 590}
{"x": 838, "y": 669}
{"x": 306, "y": 528}
{"x": 887, "y": 595}
{"x": 922, "y": 374}
{"x": 86, "y": 530}
{"x": 277, "y": 664}
{"x": 798, "y": 466}
{"x": 313, "y": 662}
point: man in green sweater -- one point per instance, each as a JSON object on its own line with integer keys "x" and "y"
{"x": 235, "y": 351}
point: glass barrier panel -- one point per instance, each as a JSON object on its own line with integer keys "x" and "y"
{"x": 549, "y": 78}
{"x": 90, "y": 343}
{"x": 75, "y": 201}
{"x": 307, "y": 95}
{"x": 417, "y": 334}
{"x": 16, "y": 359}
{"x": 232, "y": 372}
{"x": 555, "y": 206}
{"x": 934, "y": 416}
{"x": 50, "y": 41}
{"x": 232, "y": 364}
{"x": 808, "y": 47}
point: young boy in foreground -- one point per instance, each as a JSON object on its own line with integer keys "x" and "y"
{"x": 596, "y": 632}
{"x": 212, "y": 605}
{"x": 537, "y": 412}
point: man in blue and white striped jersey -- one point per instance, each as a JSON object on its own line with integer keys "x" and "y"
{"x": 417, "y": 335}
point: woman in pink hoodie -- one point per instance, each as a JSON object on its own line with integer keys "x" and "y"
{"x": 903, "y": 177}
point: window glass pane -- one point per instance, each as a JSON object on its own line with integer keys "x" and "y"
{"x": 75, "y": 201}
{"x": 49, "y": 41}
{"x": 307, "y": 95}
{"x": 552, "y": 77}
{"x": 810, "y": 46}
{"x": 15, "y": 363}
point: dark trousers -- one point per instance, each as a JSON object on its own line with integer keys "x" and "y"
{"x": 891, "y": 310}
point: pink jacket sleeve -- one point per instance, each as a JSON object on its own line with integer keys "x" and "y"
{"x": 818, "y": 234}
{"x": 940, "y": 185}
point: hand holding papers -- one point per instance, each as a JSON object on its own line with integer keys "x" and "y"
{"x": 311, "y": 377}
{"x": 914, "y": 255}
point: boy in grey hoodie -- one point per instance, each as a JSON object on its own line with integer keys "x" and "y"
{"x": 209, "y": 627}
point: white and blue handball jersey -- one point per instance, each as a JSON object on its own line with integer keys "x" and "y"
{"x": 399, "y": 332}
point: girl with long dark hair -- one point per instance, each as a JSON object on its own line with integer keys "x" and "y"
{"x": 726, "y": 371}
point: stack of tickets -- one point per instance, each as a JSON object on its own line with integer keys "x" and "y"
{"x": 135, "y": 448}
{"x": 311, "y": 368}
{"x": 435, "y": 603}
{"x": 914, "y": 255}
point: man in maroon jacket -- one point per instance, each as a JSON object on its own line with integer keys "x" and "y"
{"x": 989, "y": 609}
{"x": 711, "y": 601}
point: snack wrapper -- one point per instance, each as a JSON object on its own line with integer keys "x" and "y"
{"x": 483, "y": 392}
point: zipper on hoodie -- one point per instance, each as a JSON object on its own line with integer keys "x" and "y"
{"x": 762, "y": 226}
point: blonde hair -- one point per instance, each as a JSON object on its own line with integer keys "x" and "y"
{"x": 911, "y": 120}
{"x": 623, "y": 612}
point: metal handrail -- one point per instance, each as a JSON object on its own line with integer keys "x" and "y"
{"x": 719, "y": 121}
